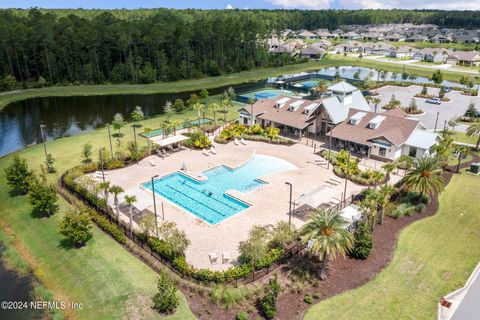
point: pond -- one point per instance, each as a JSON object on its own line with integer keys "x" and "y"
{"x": 65, "y": 116}
{"x": 14, "y": 287}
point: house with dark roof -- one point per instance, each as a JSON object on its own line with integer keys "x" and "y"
{"x": 395, "y": 37}
{"x": 312, "y": 52}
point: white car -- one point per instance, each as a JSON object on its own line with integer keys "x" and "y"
{"x": 434, "y": 101}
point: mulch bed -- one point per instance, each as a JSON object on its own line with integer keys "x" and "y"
{"x": 344, "y": 273}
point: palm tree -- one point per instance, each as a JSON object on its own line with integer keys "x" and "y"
{"x": 130, "y": 200}
{"x": 385, "y": 193}
{"x": 425, "y": 176}
{"x": 369, "y": 206}
{"x": 165, "y": 126}
{"x": 105, "y": 185}
{"x": 147, "y": 131}
{"x": 376, "y": 101}
{"x": 328, "y": 235}
{"x": 389, "y": 167}
{"x": 474, "y": 130}
{"x": 214, "y": 107}
{"x": 320, "y": 88}
{"x": 461, "y": 151}
{"x": 174, "y": 124}
{"x": 226, "y": 103}
{"x": 116, "y": 190}
{"x": 199, "y": 108}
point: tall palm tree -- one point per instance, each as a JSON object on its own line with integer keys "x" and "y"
{"x": 174, "y": 124}
{"x": 199, "y": 108}
{"x": 226, "y": 103}
{"x": 165, "y": 126}
{"x": 474, "y": 130}
{"x": 376, "y": 101}
{"x": 213, "y": 108}
{"x": 116, "y": 190}
{"x": 320, "y": 88}
{"x": 147, "y": 130}
{"x": 328, "y": 235}
{"x": 369, "y": 206}
{"x": 105, "y": 185}
{"x": 385, "y": 193}
{"x": 461, "y": 152}
{"x": 130, "y": 200}
{"x": 425, "y": 176}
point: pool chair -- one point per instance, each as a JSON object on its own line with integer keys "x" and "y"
{"x": 243, "y": 142}
{"x": 235, "y": 141}
{"x": 205, "y": 152}
{"x": 212, "y": 150}
{"x": 152, "y": 163}
{"x": 213, "y": 257}
{"x": 159, "y": 153}
{"x": 225, "y": 257}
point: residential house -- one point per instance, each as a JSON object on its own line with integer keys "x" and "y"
{"x": 417, "y": 38}
{"x": 373, "y": 36}
{"x": 467, "y": 38}
{"x": 440, "y": 38}
{"x": 403, "y": 52}
{"x": 385, "y": 136}
{"x": 395, "y": 37}
{"x": 324, "y": 34}
{"x": 305, "y": 34}
{"x": 464, "y": 58}
{"x": 282, "y": 48}
{"x": 436, "y": 55}
{"x": 349, "y": 46}
{"x": 325, "y": 44}
{"x": 312, "y": 52}
{"x": 350, "y": 35}
{"x": 380, "y": 48}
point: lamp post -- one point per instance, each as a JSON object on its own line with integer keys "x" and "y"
{"x": 110, "y": 140}
{"x": 346, "y": 178}
{"x": 101, "y": 163}
{"x": 329, "y": 147}
{"x": 290, "y": 204}
{"x": 44, "y": 145}
{"x": 154, "y": 202}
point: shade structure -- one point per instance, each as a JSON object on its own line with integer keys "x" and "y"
{"x": 168, "y": 140}
{"x": 318, "y": 196}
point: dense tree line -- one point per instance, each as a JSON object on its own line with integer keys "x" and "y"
{"x": 141, "y": 46}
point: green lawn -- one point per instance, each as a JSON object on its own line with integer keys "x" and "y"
{"x": 462, "y": 137}
{"x": 433, "y": 257}
{"x": 213, "y": 82}
{"x": 111, "y": 282}
{"x": 421, "y": 45}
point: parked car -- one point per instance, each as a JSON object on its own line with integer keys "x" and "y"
{"x": 366, "y": 93}
{"x": 447, "y": 89}
{"x": 434, "y": 101}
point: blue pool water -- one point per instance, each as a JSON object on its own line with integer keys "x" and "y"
{"x": 207, "y": 199}
{"x": 309, "y": 84}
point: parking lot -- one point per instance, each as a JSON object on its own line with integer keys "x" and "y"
{"x": 450, "y": 110}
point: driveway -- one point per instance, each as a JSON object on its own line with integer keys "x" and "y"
{"x": 453, "y": 109}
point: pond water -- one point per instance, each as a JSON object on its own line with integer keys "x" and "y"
{"x": 15, "y": 288}
{"x": 65, "y": 116}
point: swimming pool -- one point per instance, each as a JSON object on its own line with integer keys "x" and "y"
{"x": 208, "y": 200}
{"x": 309, "y": 84}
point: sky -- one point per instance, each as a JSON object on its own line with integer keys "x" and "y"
{"x": 250, "y": 4}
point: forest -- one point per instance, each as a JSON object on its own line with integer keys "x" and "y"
{"x": 45, "y": 47}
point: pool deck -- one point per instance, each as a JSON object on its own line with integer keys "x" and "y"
{"x": 269, "y": 202}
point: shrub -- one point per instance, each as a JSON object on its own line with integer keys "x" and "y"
{"x": 89, "y": 167}
{"x": 420, "y": 208}
{"x": 317, "y": 295}
{"x": 308, "y": 299}
{"x": 166, "y": 300}
{"x": 114, "y": 164}
{"x": 402, "y": 210}
{"x": 283, "y": 234}
{"x": 363, "y": 242}
{"x": 198, "y": 140}
{"x": 18, "y": 174}
{"x": 76, "y": 227}
{"x": 43, "y": 196}
{"x": 242, "y": 315}
{"x": 268, "y": 305}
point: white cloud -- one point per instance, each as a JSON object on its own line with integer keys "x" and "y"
{"x": 303, "y": 4}
{"x": 229, "y": 7}
{"x": 380, "y": 4}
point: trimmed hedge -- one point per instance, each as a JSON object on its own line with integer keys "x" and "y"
{"x": 107, "y": 226}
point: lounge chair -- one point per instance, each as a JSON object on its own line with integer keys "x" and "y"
{"x": 159, "y": 153}
{"x": 212, "y": 150}
{"x": 225, "y": 257}
{"x": 213, "y": 257}
{"x": 152, "y": 163}
{"x": 165, "y": 153}
{"x": 235, "y": 141}
{"x": 205, "y": 152}
{"x": 243, "y": 142}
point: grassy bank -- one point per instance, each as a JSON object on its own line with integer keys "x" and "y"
{"x": 214, "y": 82}
{"x": 108, "y": 280}
{"x": 433, "y": 257}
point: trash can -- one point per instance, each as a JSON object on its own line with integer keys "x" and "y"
{"x": 475, "y": 168}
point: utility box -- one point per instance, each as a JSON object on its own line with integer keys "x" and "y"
{"x": 475, "y": 168}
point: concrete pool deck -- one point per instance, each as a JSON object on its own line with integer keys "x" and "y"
{"x": 269, "y": 202}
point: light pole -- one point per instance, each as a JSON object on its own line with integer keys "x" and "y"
{"x": 101, "y": 163}
{"x": 436, "y": 122}
{"x": 44, "y": 145}
{"x": 110, "y": 140}
{"x": 135, "y": 137}
{"x": 346, "y": 178}
{"x": 329, "y": 147}
{"x": 154, "y": 202}
{"x": 289, "y": 204}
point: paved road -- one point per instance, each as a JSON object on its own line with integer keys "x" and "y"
{"x": 453, "y": 109}
{"x": 469, "y": 308}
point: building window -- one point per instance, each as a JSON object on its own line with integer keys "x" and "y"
{"x": 412, "y": 152}
{"x": 245, "y": 120}
{"x": 382, "y": 152}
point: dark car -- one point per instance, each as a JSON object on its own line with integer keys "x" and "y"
{"x": 366, "y": 93}
{"x": 447, "y": 89}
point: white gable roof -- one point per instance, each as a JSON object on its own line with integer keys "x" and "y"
{"x": 343, "y": 87}
{"x": 335, "y": 109}
{"x": 359, "y": 102}
{"x": 422, "y": 139}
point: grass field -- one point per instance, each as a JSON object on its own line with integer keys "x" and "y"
{"x": 213, "y": 82}
{"x": 462, "y": 137}
{"x": 421, "y": 45}
{"x": 433, "y": 257}
{"x": 106, "y": 278}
